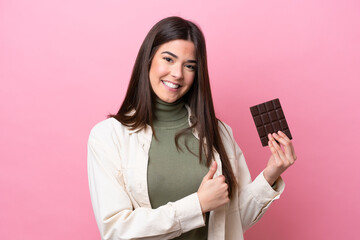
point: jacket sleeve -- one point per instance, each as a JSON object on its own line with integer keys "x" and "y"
{"x": 114, "y": 212}
{"x": 254, "y": 197}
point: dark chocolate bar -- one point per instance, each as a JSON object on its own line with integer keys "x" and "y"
{"x": 269, "y": 118}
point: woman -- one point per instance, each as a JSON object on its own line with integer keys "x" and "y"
{"x": 164, "y": 167}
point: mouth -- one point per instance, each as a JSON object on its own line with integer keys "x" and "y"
{"x": 170, "y": 84}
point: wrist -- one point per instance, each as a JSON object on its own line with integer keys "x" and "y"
{"x": 270, "y": 179}
{"x": 201, "y": 204}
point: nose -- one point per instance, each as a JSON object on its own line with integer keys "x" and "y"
{"x": 177, "y": 71}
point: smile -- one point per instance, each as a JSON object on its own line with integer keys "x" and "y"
{"x": 170, "y": 85}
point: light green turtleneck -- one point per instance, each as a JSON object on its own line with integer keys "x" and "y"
{"x": 172, "y": 173}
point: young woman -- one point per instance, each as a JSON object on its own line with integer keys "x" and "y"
{"x": 164, "y": 167}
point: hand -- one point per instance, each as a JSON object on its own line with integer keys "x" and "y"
{"x": 279, "y": 160}
{"x": 213, "y": 192}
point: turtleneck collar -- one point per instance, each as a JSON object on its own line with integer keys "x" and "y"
{"x": 169, "y": 114}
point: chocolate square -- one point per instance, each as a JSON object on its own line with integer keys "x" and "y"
{"x": 269, "y": 118}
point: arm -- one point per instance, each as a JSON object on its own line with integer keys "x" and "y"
{"x": 115, "y": 214}
{"x": 254, "y": 197}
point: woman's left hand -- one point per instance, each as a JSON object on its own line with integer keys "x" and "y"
{"x": 280, "y": 160}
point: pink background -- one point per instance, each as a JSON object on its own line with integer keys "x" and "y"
{"x": 64, "y": 65}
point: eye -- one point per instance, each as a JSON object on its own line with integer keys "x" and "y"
{"x": 191, "y": 67}
{"x": 167, "y": 59}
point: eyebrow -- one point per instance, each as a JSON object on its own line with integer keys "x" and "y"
{"x": 173, "y": 55}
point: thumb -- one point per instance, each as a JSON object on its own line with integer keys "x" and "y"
{"x": 212, "y": 171}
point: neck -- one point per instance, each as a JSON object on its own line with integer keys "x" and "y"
{"x": 169, "y": 112}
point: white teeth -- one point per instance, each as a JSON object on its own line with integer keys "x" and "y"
{"x": 171, "y": 85}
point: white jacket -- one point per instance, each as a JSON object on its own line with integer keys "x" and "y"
{"x": 117, "y": 172}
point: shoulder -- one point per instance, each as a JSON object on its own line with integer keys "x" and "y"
{"x": 103, "y": 127}
{"x": 105, "y": 130}
{"x": 231, "y": 147}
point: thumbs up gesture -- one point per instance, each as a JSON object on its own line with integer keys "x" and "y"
{"x": 213, "y": 192}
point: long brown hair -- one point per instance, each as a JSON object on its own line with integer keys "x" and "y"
{"x": 140, "y": 96}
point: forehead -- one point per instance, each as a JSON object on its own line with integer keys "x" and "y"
{"x": 179, "y": 47}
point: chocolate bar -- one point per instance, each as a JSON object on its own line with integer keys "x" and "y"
{"x": 269, "y": 118}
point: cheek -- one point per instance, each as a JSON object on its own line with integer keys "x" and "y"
{"x": 190, "y": 79}
{"x": 158, "y": 69}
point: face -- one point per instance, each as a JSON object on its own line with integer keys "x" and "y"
{"x": 173, "y": 69}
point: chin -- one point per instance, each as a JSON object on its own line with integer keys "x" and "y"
{"x": 169, "y": 100}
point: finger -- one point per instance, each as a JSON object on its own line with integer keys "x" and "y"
{"x": 274, "y": 153}
{"x": 212, "y": 171}
{"x": 278, "y": 149}
{"x": 280, "y": 159}
{"x": 287, "y": 146}
{"x": 280, "y": 139}
{"x": 291, "y": 145}
{"x": 221, "y": 177}
{"x": 272, "y": 139}
{"x": 286, "y": 161}
{"x": 283, "y": 135}
{"x": 272, "y": 147}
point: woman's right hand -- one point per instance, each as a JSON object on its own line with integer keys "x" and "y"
{"x": 213, "y": 192}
